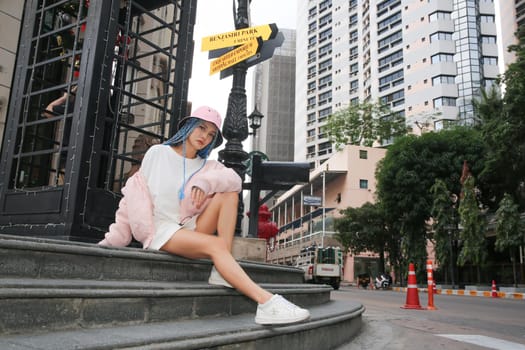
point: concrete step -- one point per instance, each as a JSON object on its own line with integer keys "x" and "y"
{"x": 69, "y": 295}
{"x": 29, "y": 257}
{"x": 332, "y": 324}
{"x": 54, "y": 304}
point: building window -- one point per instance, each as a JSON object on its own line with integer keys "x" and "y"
{"x": 354, "y": 69}
{"x": 486, "y": 18}
{"x": 434, "y": 37}
{"x": 489, "y": 83}
{"x": 327, "y": 34}
{"x": 363, "y": 154}
{"x": 442, "y": 57}
{"x": 435, "y": 16}
{"x": 312, "y": 41}
{"x": 393, "y": 98}
{"x": 325, "y": 50}
{"x": 391, "y": 80}
{"x": 443, "y": 79}
{"x": 325, "y": 81}
{"x": 354, "y": 86}
{"x": 488, "y": 39}
{"x": 389, "y": 23}
{"x": 390, "y": 61}
{"x": 493, "y": 61}
{"x": 325, "y": 97}
{"x": 444, "y": 101}
{"x": 325, "y": 20}
{"x": 353, "y": 54}
{"x": 311, "y": 57}
{"x": 390, "y": 41}
{"x": 363, "y": 183}
{"x": 325, "y": 65}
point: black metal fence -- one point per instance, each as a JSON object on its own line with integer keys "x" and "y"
{"x": 96, "y": 83}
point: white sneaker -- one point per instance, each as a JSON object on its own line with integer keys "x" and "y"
{"x": 216, "y": 279}
{"x": 278, "y": 310}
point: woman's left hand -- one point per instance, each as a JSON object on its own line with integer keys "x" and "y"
{"x": 197, "y": 196}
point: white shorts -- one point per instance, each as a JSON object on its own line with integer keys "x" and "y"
{"x": 166, "y": 230}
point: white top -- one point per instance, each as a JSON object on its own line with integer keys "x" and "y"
{"x": 163, "y": 169}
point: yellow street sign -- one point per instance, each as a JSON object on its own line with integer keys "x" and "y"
{"x": 235, "y": 56}
{"x": 238, "y": 37}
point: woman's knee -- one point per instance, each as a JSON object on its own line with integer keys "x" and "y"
{"x": 229, "y": 198}
{"x": 218, "y": 247}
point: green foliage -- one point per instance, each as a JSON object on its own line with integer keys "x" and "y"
{"x": 444, "y": 221}
{"x": 503, "y": 128}
{"x": 510, "y": 231}
{"x": 364, "y": 229}
{"x": 363, "y": 124}
{"x": 472, "y": 233}
{"x": 408, "y": 172}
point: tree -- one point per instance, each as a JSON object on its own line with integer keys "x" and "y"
{"x": 444, "y": 224}
{"x": 408, "y": 171}
{"x": 363, "y": 229}
{"x": 503, "y": 127}
{"x": 363, "y": 124}
{"x": 472, "y": 233}
{"x": 510, "y": 231}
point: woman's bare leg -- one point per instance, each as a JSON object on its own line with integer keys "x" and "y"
{"x": 220, "y": 215}
{"x": 198, "y": 245}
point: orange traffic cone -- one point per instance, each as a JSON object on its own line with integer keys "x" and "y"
{"x": 412, "y": 301}
{"x": 431, "y": 285}
{"x": 494, "y": 291}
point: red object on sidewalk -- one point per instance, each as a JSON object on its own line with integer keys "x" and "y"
{"x": 494, "y": 291}
{"x": 412, "y": 301}
{"x": 430, "y": 286}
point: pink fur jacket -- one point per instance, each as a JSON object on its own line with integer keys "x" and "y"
{"x": 134, "y": 217}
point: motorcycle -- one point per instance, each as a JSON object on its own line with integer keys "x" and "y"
{"x": 363, "y": 280}
{"x": 383, "y": 281}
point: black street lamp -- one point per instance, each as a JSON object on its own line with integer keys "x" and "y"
{"x": 255, "y": 120}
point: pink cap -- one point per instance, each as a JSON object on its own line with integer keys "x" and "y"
{"x": 210, "y": 115}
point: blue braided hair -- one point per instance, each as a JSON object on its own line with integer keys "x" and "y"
{"x": 180, "y": 137}
{"x": 182, "y": 134}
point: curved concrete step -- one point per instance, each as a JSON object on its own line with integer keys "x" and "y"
{"x": 332, "y": 324}
{"x": 29, "y": 257}
{"x": 53, "y": 304}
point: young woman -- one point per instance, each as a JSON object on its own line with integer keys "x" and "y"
{"x": 179, "y": 199}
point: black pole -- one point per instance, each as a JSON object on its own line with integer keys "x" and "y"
{"x": 254, "y": 196}
{"x": 235, "y": 129}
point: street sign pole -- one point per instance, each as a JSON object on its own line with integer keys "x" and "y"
{"x": 231, "y": 51}
{"x": 235, "y": 128}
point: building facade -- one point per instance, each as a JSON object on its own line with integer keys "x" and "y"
{"x": 305, "y": 214}
{"x": 426, "y": 59}
{"x": 10, "y": 22}
{"x": 274, "y": 96}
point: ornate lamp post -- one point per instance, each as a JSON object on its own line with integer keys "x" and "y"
{"x": 235, "y": 129}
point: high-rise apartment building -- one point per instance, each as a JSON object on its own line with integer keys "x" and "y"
{"x": 426, "y": 59}
{"x": 274, "y": 97}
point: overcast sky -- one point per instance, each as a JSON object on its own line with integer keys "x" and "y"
{"x": 214, "y": 17}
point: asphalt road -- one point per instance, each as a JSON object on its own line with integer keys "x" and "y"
{"x": 460, "y": 322}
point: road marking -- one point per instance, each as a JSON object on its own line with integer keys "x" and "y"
{"x": 487, "y": 342}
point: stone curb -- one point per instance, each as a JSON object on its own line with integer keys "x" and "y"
{"x": 471, "y": 293}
